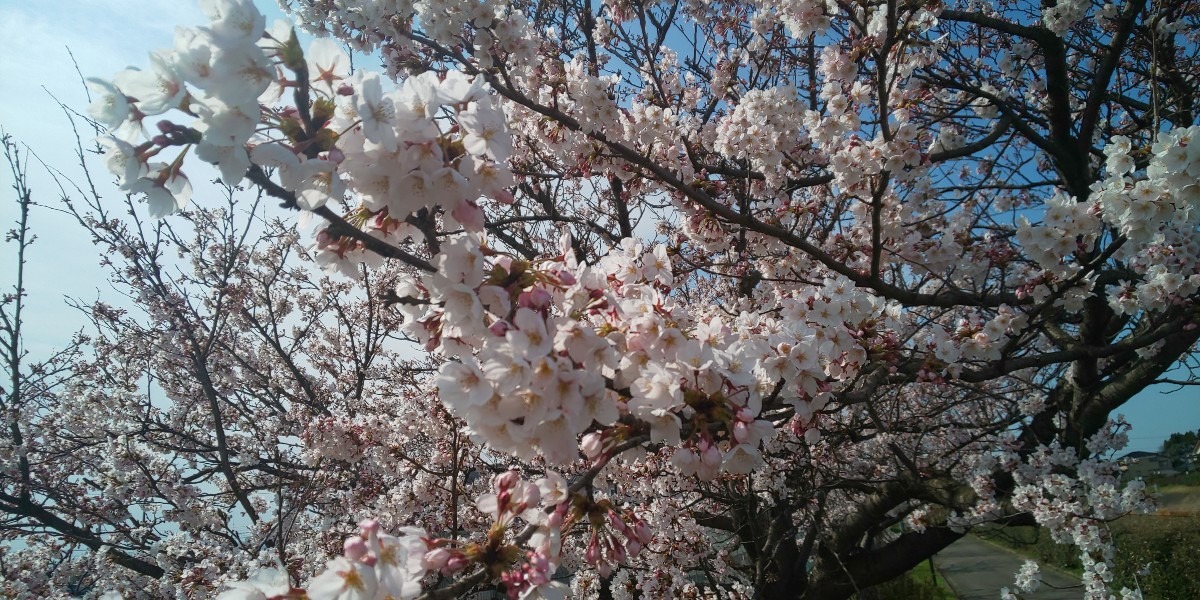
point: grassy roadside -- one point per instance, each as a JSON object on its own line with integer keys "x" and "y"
{"x": 925, "y": 576}
{"x": 1187, "y": 479}
{"x": 917, "y": 584}
{"x": 1034, "y": 543}
{"x": 1157, "y": 554}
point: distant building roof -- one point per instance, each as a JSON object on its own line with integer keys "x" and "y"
{"x": 1139, "y": 454}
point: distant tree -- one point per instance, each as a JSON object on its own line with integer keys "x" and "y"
{"x": 1179, "y": 448}
{"x": 225, "y": 410}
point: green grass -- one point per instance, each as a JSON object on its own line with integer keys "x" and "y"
{"x": 1036, "y": 544}
{"x": 917, "y": 584}
{"x": 1192, "y": 479}
{"x": 925, "y": 576}
{"x": 1176, "y": 499}
{"x": 1169, "y": 545}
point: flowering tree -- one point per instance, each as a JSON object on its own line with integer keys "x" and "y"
{"x": 200, "y": 427}
{"x": 747, "y": 299}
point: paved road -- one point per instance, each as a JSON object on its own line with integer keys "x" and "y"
{"x": 976, "y": 570}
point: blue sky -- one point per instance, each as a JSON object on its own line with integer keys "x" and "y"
{"x": 104, "y": 36}
{"x": 108, "y": 35}
{"x": 1160, "y": 411}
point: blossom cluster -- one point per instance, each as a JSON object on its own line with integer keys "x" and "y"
{"x": 1072, "y": 498}
{"x": 1060, "y": 16}
{"x": 376, "y": 564}
{"x": 373, "y": 564}
{"x": 829, "y": 300}
{"x": 1157, "y": 215}
{"x": 436, "y": 141}
{"x": 565, "y": 348}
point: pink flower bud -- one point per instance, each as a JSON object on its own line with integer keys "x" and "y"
{"x": 354, "y": 548}
{"x": 541, "y": 298}
{"x": 592, "y": 553}
{"x": 455, "y": 564}
{"x": 507, "y": 480}
{"x": 614, "y": 521}
{"x": 592, "y": 445}
{"x": 642, "y": 532}
{"x": 744, "y": 415}
{"x": 536, "y": 578}
{"x": 684, "y": 460}
{"x": 711, "y": 456}
{"x": 345, "y": 90}
{"x": 567, "y": 278}
{"x": 536, "y": 299}
{"x": 436, "y": 559}
{"x": 504, "y": 197}
{"x": 539, "y": 564}
{"x": 368, "y": 527}
{"x": 634, "y": 547}
{"x": 618, "y": 553}
{"x": 526, "y": 496}
{"x": 524, "y": 301}
{"x": 468, "y": 215}
{"x": 512, "y": 580}
{"x": 323, "y": 239}
{"x": 499, "y": 328}
{"x": 741, "y": 433}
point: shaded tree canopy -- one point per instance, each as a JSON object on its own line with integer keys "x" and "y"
{"x": 1180, "y": 448}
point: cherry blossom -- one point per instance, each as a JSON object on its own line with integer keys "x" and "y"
{"x": 654, "y": 300}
